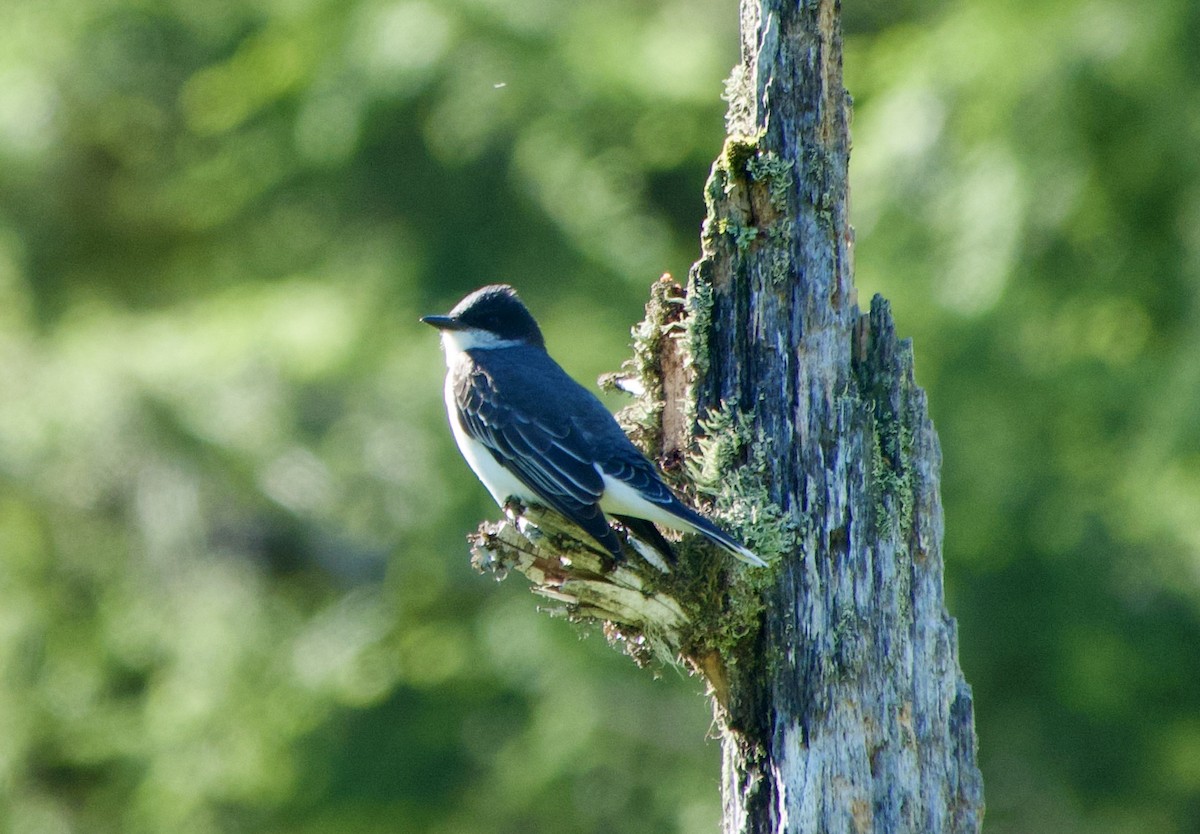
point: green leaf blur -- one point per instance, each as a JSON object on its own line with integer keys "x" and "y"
{"x": 234, "y": 589}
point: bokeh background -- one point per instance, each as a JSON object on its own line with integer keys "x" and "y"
{"x": 234, "y": 588}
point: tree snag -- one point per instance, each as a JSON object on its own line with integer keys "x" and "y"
{"x": 793, "y": 418}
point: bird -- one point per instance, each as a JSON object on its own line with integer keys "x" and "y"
{"x": 532, "y": 433}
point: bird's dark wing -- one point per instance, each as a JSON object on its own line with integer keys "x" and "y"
{"x": 546, "y": 453}
{"x": 633, "y": 468}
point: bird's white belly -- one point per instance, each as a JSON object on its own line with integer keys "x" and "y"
{"x": 501, "y": 483}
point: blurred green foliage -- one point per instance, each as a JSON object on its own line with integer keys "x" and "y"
{"x": 234, "y": 593}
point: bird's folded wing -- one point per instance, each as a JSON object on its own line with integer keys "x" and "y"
{"x": 547, "y": 456}
{"x": 639, "y": 473}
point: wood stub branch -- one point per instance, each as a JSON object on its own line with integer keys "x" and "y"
{"x": 581, "y": 582}
{"x": 694, "y": 615}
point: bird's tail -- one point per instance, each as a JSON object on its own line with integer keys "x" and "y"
{"x": 717, "y": 536}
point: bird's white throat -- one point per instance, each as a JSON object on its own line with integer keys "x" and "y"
{"x": 457, "y": 342}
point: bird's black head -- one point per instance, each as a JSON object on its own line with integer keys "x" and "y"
{"x": 495, "y": 310}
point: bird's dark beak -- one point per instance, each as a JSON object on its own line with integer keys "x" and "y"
{"x": 443, "y": 322}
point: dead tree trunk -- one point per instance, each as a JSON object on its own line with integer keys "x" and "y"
{"x": 795, "y": 419}
{"x": 851, "y": 713}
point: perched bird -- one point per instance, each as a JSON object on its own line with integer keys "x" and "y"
{"x": 532, "y": 433}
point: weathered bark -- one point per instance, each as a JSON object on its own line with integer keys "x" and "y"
{"x": 797, "y": 421}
